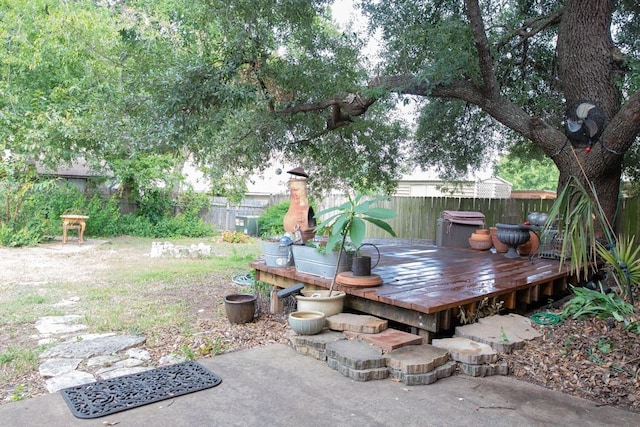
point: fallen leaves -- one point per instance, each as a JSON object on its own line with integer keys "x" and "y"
{"x": 585, "y": 358}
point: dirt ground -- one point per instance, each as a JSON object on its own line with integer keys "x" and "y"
{"x": 49, "y": 263}
{"x": 39, "y": 270}
{"x": 594, "y": 359}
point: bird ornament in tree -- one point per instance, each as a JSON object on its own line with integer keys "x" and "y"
{"x": 584, "y": 122}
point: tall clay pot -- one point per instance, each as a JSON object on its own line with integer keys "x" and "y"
{"x": 500, "y": 247}
{"x": 300, "y": 217}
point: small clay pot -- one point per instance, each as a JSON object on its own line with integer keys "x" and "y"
{"x": 480, "y": 240}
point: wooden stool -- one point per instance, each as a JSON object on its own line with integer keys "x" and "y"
{"x": 73, "y": 222}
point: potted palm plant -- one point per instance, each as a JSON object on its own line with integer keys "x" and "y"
{"x": 347, "y": 222}
{"x": 345, "y": 227}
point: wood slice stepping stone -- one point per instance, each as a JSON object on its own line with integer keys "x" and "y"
{"x": 357, "y": 374}
{"x": 467, "y": 351}
{"x": 503, "y": 333}
{"x": 361, "y": 323}
{"x": 513, "y": 324}
{"x": 356, "y": 360}
{"x": 500, "y": 368}
{"x": 442, "y": 371}
{"x": 416, "y": 359}
{"x": 314, "y": 345}
{"x": 346, "y": 278}
{"x": 391, "y": 339}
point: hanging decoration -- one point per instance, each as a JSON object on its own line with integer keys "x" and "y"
{"x": 584, "y": 122}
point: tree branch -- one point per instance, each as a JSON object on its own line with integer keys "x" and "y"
{"x": 531, "y": 27}
{"x": 485, "y": 60}
{"x": 620, "y": 133}
{"x": 498, "y": 107}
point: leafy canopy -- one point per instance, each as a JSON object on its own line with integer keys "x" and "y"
{"x": 119, "y": 81}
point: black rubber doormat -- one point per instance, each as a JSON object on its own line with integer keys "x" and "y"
{"x": 113, "y": 395}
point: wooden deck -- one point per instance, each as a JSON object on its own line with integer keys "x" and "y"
{"x": 426, "y": 287}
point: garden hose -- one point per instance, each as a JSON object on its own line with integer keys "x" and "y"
{"x": 600, "y": 362}
{"x": 546, "y": 319}
{"x": 243, "y": 279}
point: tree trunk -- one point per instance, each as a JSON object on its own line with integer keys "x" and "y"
{"x": 587, "y": 70}
{"x": 587, "y": 168}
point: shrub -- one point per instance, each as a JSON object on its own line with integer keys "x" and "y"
{"x": 271, "y": 221}
{"x": 40, "y": 208}
{"x": 235, "y": 237}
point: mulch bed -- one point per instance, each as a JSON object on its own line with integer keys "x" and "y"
{"x": 594, "y": 359}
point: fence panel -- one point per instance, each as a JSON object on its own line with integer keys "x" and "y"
{"x": 418, "y": 216}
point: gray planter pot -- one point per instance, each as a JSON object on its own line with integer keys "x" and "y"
{"x": 277, "y": 254}
{"x": 310, "y": 261}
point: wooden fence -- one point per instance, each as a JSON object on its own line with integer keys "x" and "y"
{"x": 418, "y": 216}
{"x": 223, "y": 215}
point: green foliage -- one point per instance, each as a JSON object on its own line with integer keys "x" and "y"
{"x": 133, "y": 225}
{"x": 158, "y": 214}
{"x": 528, "y": 174}
{"x": 623, "y": 260}
{"x": 588, "y": 303}
{"x": 104, "y": 216}
{"x": 348, "y": 220}
{"x": 580, "y": 221}
{"x": 57, "y": 60}
{"x": 442, "y": 142}
{"x": 14, "y": 237}
{"x": 235, "y": 237}
{"x": 38, "y": 215}
{"x": 187, "y": 352}
{"x": 21, "y": 224}
{"x": 272, "y": 220}
{"x": 144, "y": 85}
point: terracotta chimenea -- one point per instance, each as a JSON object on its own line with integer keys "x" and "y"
{"x": 299, "y": 219}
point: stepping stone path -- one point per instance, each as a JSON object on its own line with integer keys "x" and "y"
{"x": 356, "y": 323}
{"x": 503, "y": 333}
{"x": 356, "y": 360}
{"x": 82, "y": 359}
{"x": 363, "y": 348}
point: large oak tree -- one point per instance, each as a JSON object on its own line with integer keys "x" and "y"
{"x": 239, "y": 83}
{"x": 521, "y": 64}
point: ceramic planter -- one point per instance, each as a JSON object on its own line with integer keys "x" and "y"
{"x": 321, "y": 301}
{"x": 307, "y": 322}
{"x": 240, "y": 308}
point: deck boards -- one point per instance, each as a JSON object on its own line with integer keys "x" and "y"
{"x": 437, "y": 282}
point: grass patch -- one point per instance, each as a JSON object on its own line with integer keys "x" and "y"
{"x": 26, "y": 306}
{"x": 226, "y": 257}
{"x": 137, "y": 316}
{"x": 18, "y": 360}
